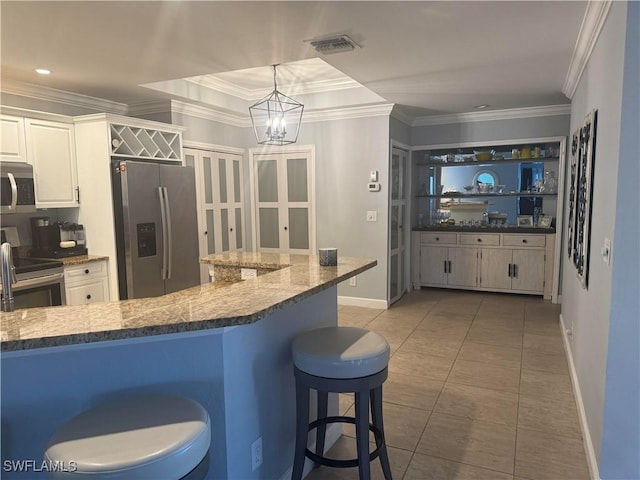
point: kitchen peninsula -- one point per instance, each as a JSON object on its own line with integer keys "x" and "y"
{"x": 226, "y": 345}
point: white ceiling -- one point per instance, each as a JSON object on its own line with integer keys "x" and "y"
{"x": 429, "y": 58}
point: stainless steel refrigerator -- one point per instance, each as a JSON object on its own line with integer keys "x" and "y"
{"x": 156, "y": 228}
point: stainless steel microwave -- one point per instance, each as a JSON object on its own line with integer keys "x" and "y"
{"x": 17, "y": 189}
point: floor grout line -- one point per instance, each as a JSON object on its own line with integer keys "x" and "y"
{"x": 434, "y": 304}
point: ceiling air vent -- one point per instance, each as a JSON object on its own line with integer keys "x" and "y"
{"x": 338, "y": 44}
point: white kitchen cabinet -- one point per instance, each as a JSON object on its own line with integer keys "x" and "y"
{"x": 51, "y": 150}
{"x": 12, "y": 140}
{"x": 508, "y": 262}
{"x": 87, "y": 283}
{"x": 450, "y": 266}
{"x": 519, "y": 270}
{"x": 442, "y": 265}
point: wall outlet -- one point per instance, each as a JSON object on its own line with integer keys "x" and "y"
{"x": 256, "y": 454}
{"x": 247, "y": 273}
{"x": 372, "y": 216}
{"x": 353, "y": 282}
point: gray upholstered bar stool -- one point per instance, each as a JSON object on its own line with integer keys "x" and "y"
{"x": 140, "y": 437}
{"x": 340, "y": 360}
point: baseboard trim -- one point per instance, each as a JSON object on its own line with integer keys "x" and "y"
{"x": 362, "y": 302}
{"x": 333, "y": 434}
{"x": 590, "y": 452}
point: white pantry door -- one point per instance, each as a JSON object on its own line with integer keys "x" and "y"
{"x": 220, "y": 202}
{"x": 284, "y": 208}
{"x": 398, "y": 192}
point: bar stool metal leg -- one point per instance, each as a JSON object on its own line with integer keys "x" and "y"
{"x": 362, "y": 435}
{"x": 302, "y": 430}
{"x": 376, "y": 417}
{"x": 321, "y": 430}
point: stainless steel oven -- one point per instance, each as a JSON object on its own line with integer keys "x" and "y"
{"x": 39, "y": 283}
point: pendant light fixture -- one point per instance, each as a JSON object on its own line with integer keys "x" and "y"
{"x": 276, "y": 117}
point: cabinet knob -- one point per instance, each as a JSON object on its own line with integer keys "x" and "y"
{"x": 86, "y": 270}
{"x": 524, "y": 240}
{"x": 206, "y": 232}
{"x": 285, "y": 228}
{"x": 89, "y": 297}
{"x": 479, "y": 240}
{"x": 437, "y": 239}
{"x": 231, "y": 229}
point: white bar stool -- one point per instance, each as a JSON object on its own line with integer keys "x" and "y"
{"x": 140, "y": 437}
{"x": 340, "y": 359}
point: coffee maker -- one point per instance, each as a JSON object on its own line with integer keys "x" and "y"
{"x": 57, "y": 240}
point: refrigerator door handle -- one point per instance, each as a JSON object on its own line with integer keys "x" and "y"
{"x": 163, "y": 217}
{"x": 169, "y": 232}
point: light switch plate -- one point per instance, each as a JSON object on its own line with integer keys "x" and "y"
{"x": 372, "y": 216}
{"x": 373, "y": 176}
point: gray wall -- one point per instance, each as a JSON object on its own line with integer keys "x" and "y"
{"x": 619, "y": 454}
{"x": 346, "y": 150}
{"x": 399, "y": 131}
{"x": 209, "y": 131}
{"x": 590, "y": 313}
{"x": 491, "y": 130}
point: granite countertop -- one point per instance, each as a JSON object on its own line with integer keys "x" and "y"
{"x": 81, "y": 259}
{"x": 485, "y": 229}
{"x": 212, "y": 305}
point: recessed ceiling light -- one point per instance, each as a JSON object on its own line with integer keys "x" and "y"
{"x": 43, "y": 71}
{"x": 481, "y": 107}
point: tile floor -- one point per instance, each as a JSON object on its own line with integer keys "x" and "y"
{"x": 478, "y": 389}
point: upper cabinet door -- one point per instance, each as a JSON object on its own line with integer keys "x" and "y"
{"x": 51, "y": 150}
{"x": 13, "y": 147}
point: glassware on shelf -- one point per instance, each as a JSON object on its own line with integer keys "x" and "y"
{"x": 550, "y": 182}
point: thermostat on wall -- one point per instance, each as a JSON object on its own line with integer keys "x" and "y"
{"x": 373, "y": 187}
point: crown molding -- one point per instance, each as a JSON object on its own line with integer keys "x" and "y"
{"x": 212, "y": 114}
{"x": 402, "y": 117}
{"x": 506, "y": 114}
{"x": 211, "y": 147}
{"x": 347, "y": 113}
{"x": 25, "y": 112}
{"x": 308, "y": 116}
{"x": 124, "y": 120}
{"x": 48, "y": 94}
{"x": 149, "y": 108}
{"x": 248, "y": 94}
{"x": 592, "y": 23}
